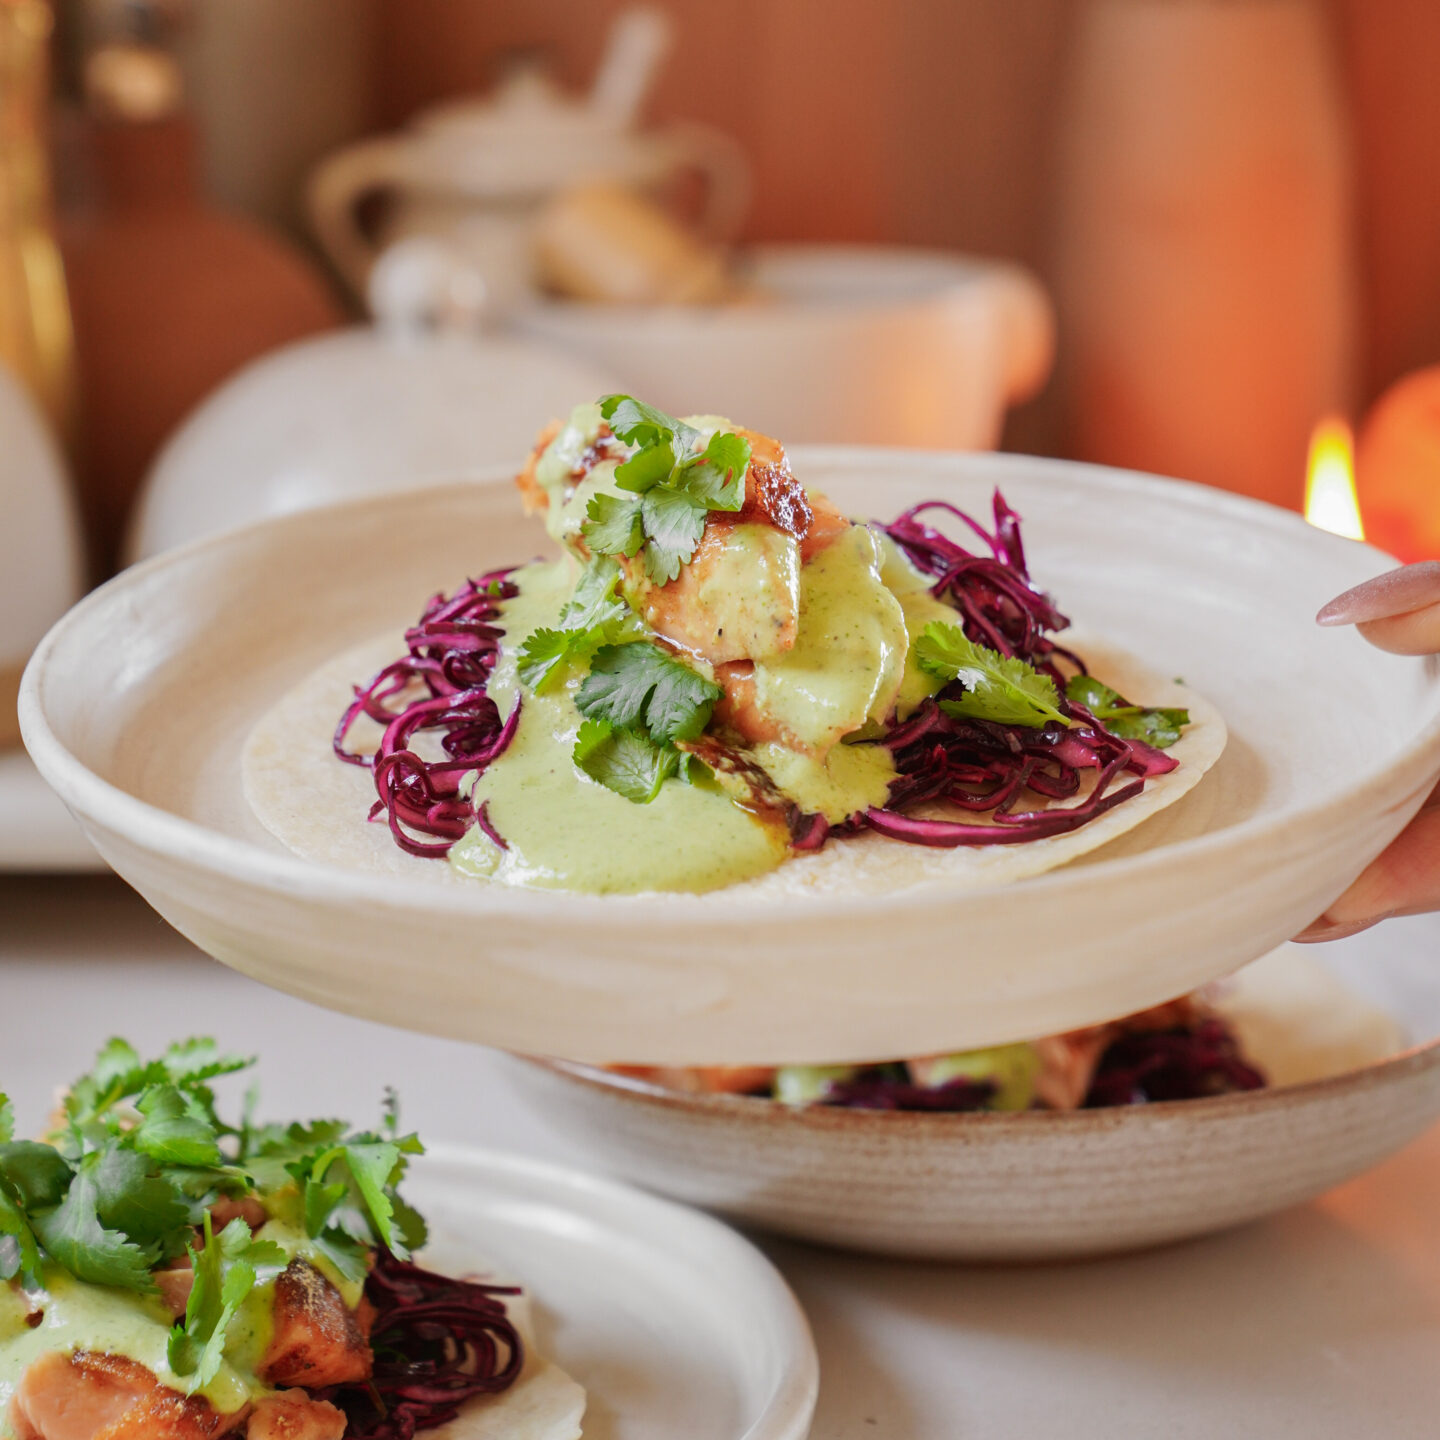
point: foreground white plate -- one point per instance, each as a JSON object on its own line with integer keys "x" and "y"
{"x": 137, "y": 705}
{"x": 674, "y": 1325}
{"x": 37, "y": 833}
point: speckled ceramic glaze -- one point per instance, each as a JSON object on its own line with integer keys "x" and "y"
{"x": 137, "y": 706}
{"x": 1032, "y": 1186}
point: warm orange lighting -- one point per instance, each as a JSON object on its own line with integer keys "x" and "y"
{"x": 1330, "y": 499}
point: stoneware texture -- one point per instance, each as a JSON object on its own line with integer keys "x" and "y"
{"x": 362, "y": 412}
{"x": 1032, "y": 1186}
{"x": 860, "y": 344}
{"x": 137, "y": 705}
{"x": 672, "y": 1323}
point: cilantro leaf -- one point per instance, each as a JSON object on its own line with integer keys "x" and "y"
{"x": 638, "y": 686}
{"x": 372, "y": 1165}
{"x": 613, "y": 525}
{"x": 718, "y": 476}
{"x": 999, "y": 688}
{"x": 171, "y": 1132}
{"x": 148, "y": 1208}
{"x": 677, "y": 487}
{"x": 674, "y": 521}
{"x": 7, "y": 1118}
{"x": 76, "y": 1239}
{"x": 593, "y": 616}
{"x": 647, "y": 468}
{"x": 1157, "y": 727}
{"x": 19, "y": 1250}
{"x": 196, "y": 1347}
{"x": 36, "y": 1175}
{"x": 624, "y": 760}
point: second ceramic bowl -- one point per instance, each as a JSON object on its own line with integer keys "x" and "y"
{"x": 1039, "y": 1185}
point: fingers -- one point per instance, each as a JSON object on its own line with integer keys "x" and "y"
{"x": 1415, "y": 634}
{"x": 1397, "y": 611}
{"x": 1405, "y": 880}
{"x": 1396, "y": 592}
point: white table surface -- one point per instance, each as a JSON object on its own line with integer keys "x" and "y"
{"x": 1321, "y": 1323}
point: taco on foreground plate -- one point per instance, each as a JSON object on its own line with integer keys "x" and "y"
{"x": 166, "y": 1275}
{"x": 726, "y": 684}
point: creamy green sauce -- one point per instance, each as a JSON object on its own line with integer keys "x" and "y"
{"x": 848, "y": 670}
{"x": 912, "y": 590}
{"x": 564, "y": 830}
{"x": 848, "y": 658}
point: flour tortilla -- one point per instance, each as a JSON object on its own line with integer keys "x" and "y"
{"x": 316, "y": 805}
{"x": 543, "y": 1404}
{"x": 1298, "y": 1021}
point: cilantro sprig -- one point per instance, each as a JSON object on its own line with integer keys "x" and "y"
{"x": 638, "y": 701}
{"x": 669, "y": 486}
{"x": 594, "y": 615}
{"x": 1158, "y": 727}
{"x": 141, "y": 1156}
{"x": 1000, "y": 688}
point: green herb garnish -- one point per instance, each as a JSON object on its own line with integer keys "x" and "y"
{"x": 140, "y": 1158}
{"x": 998, "y": 687}
{"x": 595, "y": 615}
{"x": 1157, "y": 727}
{"x": 669, "y": 488}
{"x": 637, "y": 701}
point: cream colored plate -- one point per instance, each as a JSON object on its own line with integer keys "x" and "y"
{"x": 138, "y": 705}
{"x": 1036, "y": 1186}
{"x": 672, "y": 1323}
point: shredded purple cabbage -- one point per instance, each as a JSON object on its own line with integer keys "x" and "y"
{"x": 437, "y": 688}
{"x": 438, "y": 1342}
{"x": 1186, "y": 1064}
{"x": 879, "y": 1090}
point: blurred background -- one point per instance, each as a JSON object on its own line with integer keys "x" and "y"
{"x": 257, "y": 255}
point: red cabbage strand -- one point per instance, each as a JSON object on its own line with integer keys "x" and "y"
{"x": 438, "y": 689}
{"x": 438, "y": 1342}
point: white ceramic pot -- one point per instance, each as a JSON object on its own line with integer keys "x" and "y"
{"x": 349, "y": 414}
{"x": 476, "y": 173}
{"x": 855, "y": 344}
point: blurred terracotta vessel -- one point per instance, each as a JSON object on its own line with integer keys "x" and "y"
{"x": 1205, "y": 271}
{"x": 1398, "y": 468}
{"x": 170, "y": 297}
{"x": 478, "y": 173}
{"x": 35, "y": 333}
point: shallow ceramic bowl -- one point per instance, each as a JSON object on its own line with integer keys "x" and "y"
{"x": 137, "y": 705}
{"x": 1033, "y": 1186}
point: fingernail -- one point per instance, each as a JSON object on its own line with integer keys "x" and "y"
{"x": 1322, "y": 930}
{"x": 1397, "y": 592}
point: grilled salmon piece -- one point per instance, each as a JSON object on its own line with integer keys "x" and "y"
{"x": 85, "y": 1396}
{"x": 318, "y": 1340}
{"x": 293, "y": 1415}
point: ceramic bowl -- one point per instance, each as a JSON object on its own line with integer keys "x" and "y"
{"x": 1031, "y": 1186}
{"x": 858, "y": 344}
{"x": 137, "y": 706}
{"x": 361, "y": 412}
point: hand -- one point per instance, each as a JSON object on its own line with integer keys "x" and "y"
{"x": 1400, "y": 612}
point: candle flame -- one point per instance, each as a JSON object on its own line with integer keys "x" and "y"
{"x": 1331, "y": 501}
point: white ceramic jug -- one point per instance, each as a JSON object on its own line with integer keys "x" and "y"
{"x": 475, "y": 173}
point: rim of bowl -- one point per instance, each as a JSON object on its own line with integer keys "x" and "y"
{"x": 1415, "y": 1059}
{"x": 197, "y": 846}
